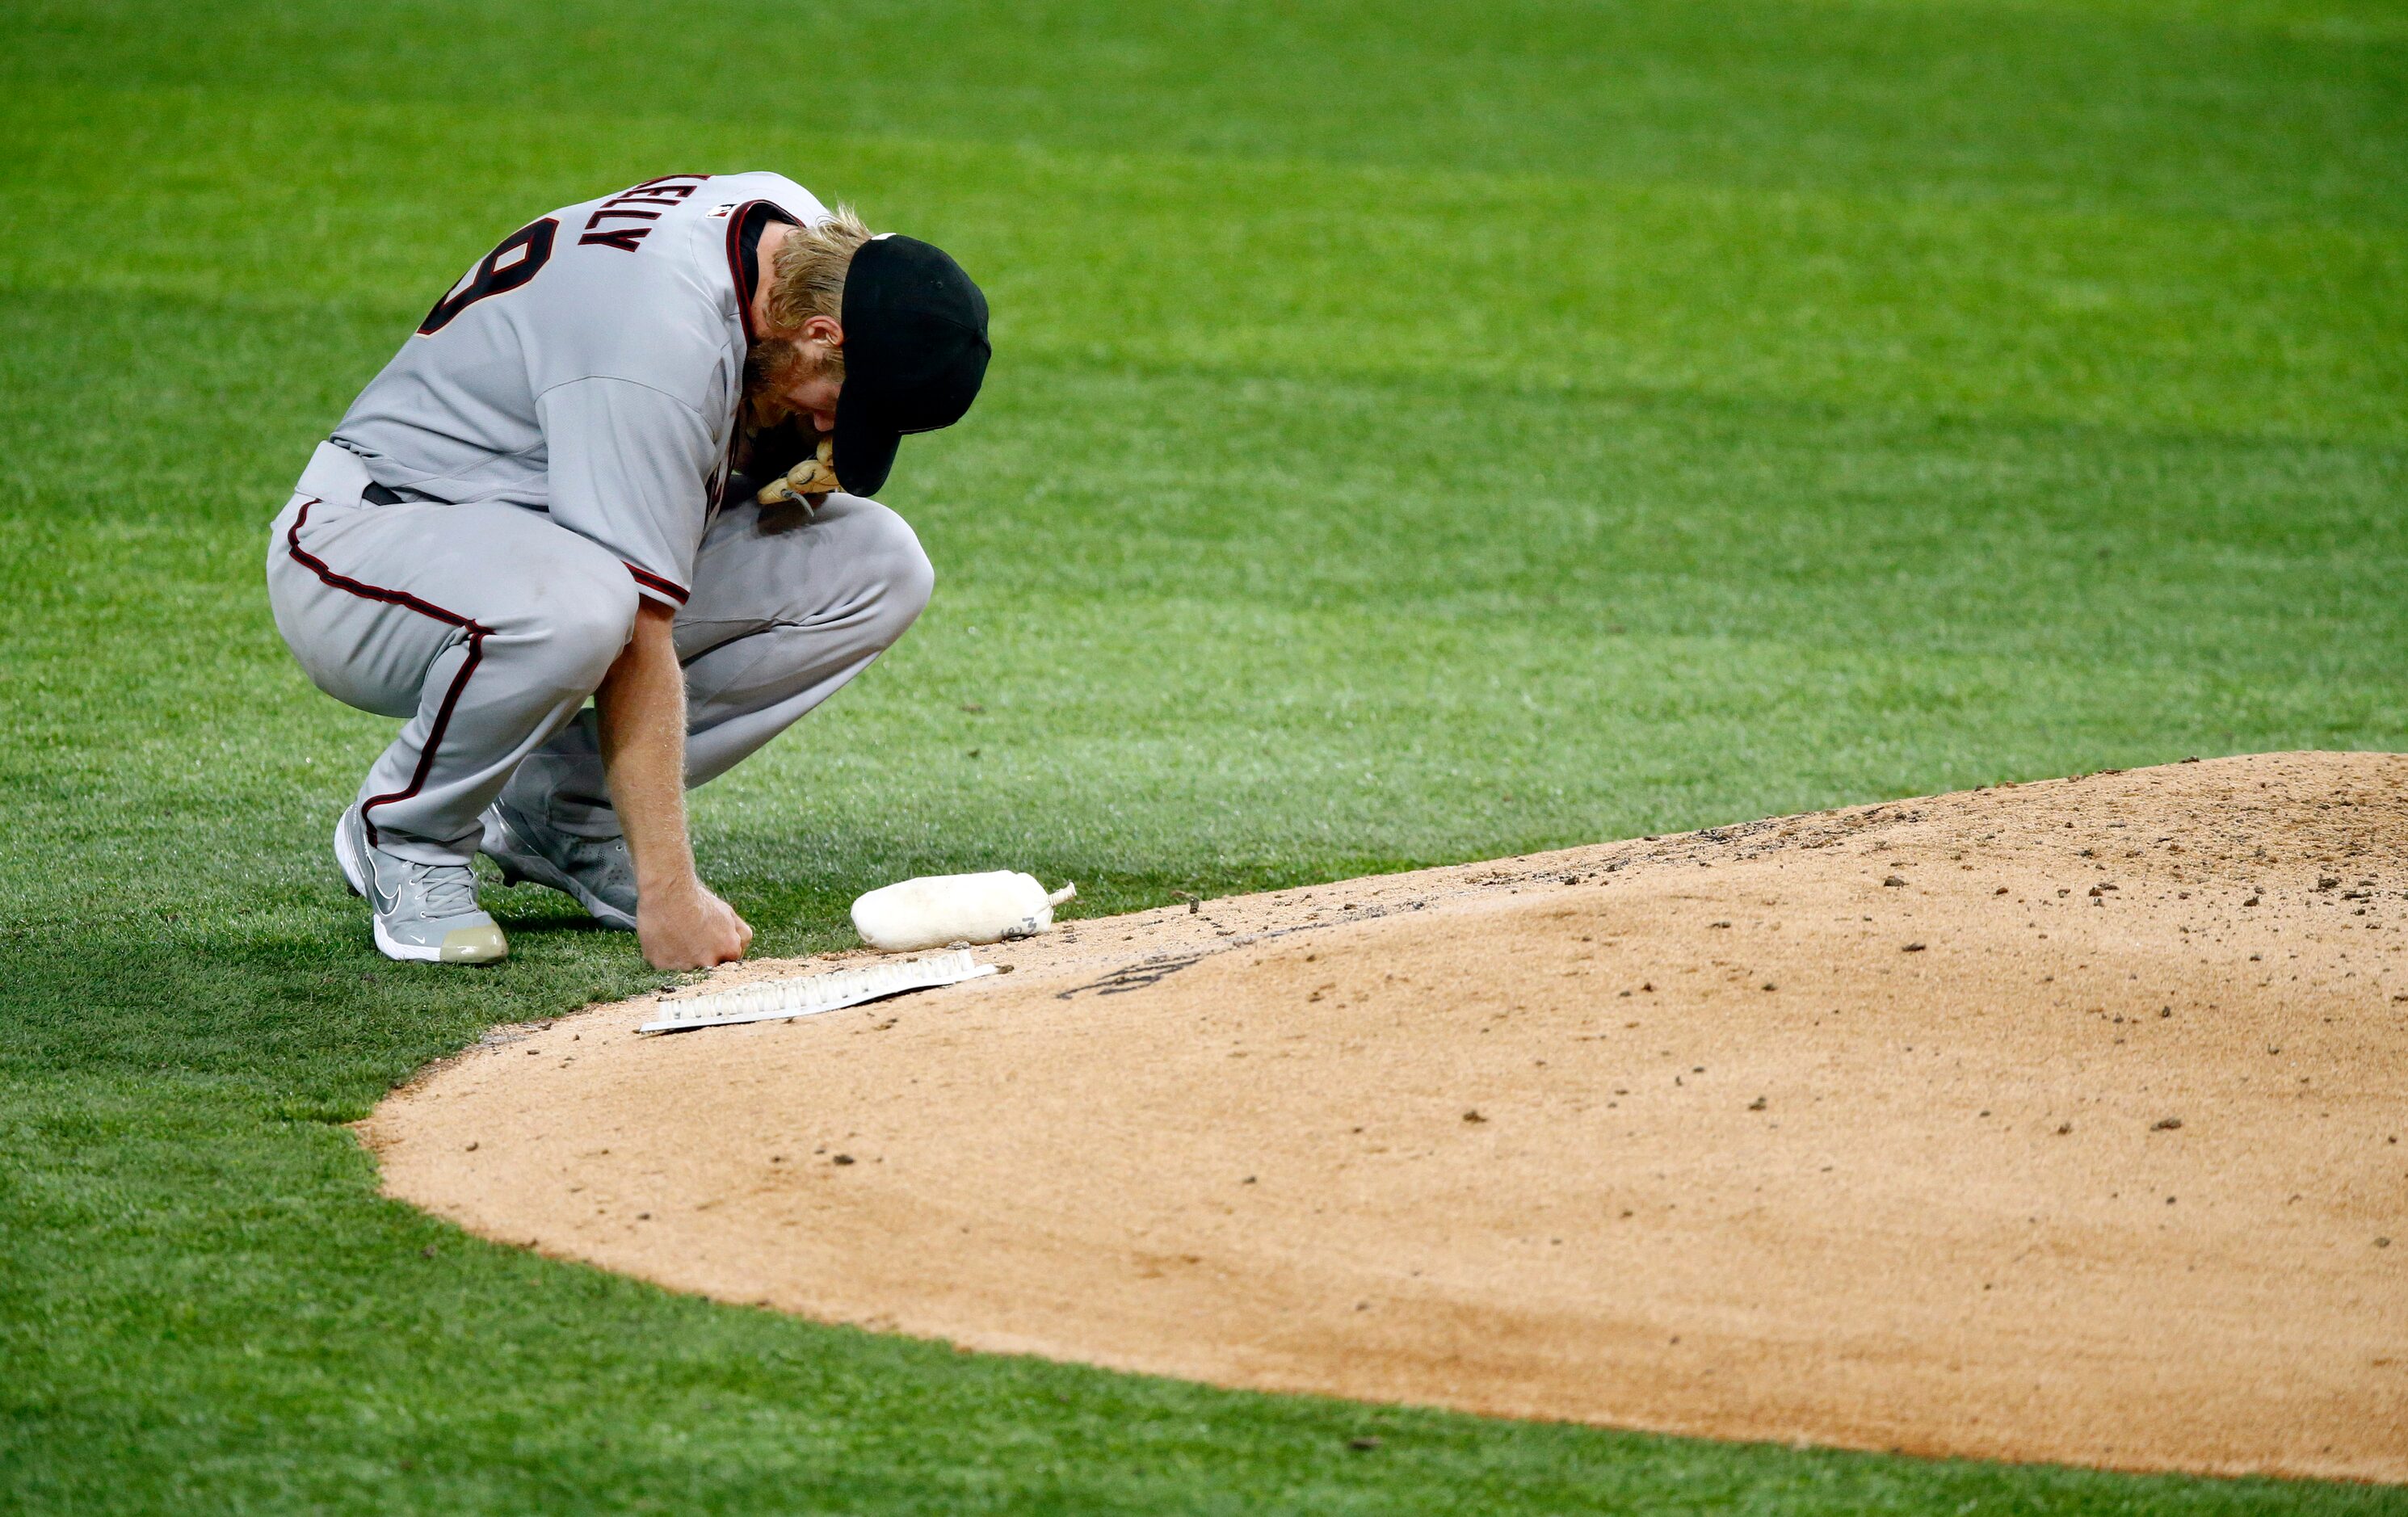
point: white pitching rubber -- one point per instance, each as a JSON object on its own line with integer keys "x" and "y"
{"x": 937, "y": 910}
{"x": 808, "y": 995}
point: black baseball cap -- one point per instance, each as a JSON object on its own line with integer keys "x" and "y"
{"x": 915, "y": 352}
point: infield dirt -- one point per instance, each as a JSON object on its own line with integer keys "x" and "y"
{"x": 2058, "y": 1122}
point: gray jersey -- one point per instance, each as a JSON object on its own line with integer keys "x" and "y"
{"x": 590, "y": 366}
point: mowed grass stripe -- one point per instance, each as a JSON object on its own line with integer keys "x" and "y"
{"x": 2276, "y": 110}
{"x": 1893, "y": 303}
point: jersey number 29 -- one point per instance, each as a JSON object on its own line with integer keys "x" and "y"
{"x": 520, "y": 257}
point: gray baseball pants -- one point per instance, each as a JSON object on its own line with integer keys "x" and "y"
{"x": 487, "y": 627}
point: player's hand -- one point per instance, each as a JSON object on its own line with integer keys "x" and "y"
{"x": 688, "y": 927}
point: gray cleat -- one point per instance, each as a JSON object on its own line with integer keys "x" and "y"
{"x": 423, "y": 912}
{"x": 595, "y": 872}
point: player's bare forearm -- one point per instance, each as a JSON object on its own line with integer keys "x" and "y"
{"x": 643, "y": 707}
{"x": 641, "y": 704}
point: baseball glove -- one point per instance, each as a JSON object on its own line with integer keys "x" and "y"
{"x": 810, "y": 482}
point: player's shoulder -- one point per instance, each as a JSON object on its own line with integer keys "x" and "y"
{"x": 643, "y": 280}
{"x": 642, "y": 269}
{"x": 678, "y": 229}
{"x": 682, "y": 215}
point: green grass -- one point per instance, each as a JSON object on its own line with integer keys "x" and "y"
{"x": 1417, "y": 434}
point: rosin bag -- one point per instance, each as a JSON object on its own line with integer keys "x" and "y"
{"x": 937, "y": 910}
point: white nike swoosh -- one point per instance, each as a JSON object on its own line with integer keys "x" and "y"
{"x": 381, "y": 903}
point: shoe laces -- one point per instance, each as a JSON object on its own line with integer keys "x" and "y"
{"x": 449, "y": 890}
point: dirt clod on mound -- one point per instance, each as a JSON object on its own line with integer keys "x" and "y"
{"x": 1484, "y": 1137}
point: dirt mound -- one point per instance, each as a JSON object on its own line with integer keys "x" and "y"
{"x": 2057, "y": 1122}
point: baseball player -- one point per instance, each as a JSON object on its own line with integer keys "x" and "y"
{"x": 627, "y": 457}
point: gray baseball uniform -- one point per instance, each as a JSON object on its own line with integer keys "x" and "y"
{"x": 554, "y": 442}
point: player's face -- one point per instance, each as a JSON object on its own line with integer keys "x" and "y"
{"x": 814, "y": 396}
{"x": 794, "y": 376}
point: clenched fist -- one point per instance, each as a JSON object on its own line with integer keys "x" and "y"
{"x": 687, "y": 928}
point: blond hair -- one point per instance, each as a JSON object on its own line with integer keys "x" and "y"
{"x": 806, "y": 272}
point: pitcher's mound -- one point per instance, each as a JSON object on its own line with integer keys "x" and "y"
{"x": 2060, "y": 1122}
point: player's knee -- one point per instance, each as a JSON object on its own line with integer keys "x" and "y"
{"x": 579, "y": 624}
{"x": 912, "y": 581}
{"x": 605, "y": 619}
{"x": 890, "y": 556}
